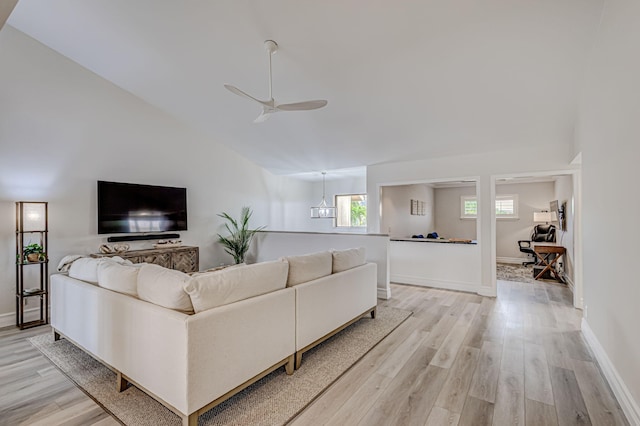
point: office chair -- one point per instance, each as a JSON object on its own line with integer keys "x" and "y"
{"x": 541, "y": 233}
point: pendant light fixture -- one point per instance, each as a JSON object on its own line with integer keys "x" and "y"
{"x": 322, "y": 210}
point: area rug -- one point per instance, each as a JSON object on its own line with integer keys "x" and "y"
{"x": 274, "y": 400}
{"x": 520, "y": 273}
{"x": 513, "y": 272}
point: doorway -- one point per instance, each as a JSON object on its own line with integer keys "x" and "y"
{"x": 541, "y": 196}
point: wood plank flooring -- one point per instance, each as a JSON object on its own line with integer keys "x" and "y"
{"x": 460, "y": 359}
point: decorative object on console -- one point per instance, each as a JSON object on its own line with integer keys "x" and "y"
{"x": 271, "y": 106}
{"x": 115, "y": 248}
{"x": 322, "y": 210}
{"x": 237, "y": 243}
{"x": 167, "y": 243}
{"x": 32, "y": 222}
{"x": 105, "y": 249}
{"x": 121, "y": 248}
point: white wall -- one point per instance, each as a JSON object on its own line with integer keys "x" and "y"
{"x": 300, "y": 195}
{"x": 448, "y": 223}
{"x": 563, "y": 192}
{"x": 608, "y": 132}
{"x": 435, "y": 264}
{"x": 397, "y": 220}
{"x": 532, "y": 197}
{"x": 62, "y": 128}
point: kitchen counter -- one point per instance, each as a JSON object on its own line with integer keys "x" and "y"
{"x": 437, "y": 240}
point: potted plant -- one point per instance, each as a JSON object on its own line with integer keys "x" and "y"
{"x": 33, "y": 253}
{"x": 239, "y": 239}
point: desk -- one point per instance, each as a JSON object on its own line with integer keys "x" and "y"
{"x": 542, "y": 251}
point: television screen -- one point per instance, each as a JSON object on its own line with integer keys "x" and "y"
{"x": 133, "y": 208}
{"x": 557, "y": 212}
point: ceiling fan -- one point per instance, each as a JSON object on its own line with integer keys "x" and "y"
{"x": 271, "y": 106}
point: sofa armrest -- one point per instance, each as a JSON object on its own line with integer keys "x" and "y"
{"x": 327, "y": 303}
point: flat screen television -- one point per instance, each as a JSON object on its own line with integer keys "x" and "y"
{"x": 133, "y": 208}
{"x": 557, "y": 211}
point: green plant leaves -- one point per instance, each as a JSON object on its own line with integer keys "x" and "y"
{"x": 239, "y": 239}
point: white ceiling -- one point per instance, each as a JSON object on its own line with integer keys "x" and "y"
{"x": 405, "y": 79}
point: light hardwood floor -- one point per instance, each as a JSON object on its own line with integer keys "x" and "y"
{"x": 460, "y": 359}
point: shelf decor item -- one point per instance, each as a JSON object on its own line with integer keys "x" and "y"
{"x": 33, "y": 253}
{"x": 32, "y": 223}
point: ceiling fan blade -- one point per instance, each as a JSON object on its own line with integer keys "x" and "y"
{"x": 302, "y": 106}
{"x": 239, "y": 92}
{"x": 262, "y": 117}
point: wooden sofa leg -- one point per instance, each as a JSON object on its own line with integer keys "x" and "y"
{"x": 290, "y": 365}
{"x": 190, "y": 420}
{"x": 56, "y": 336}
{"x": 298, "y": 359}
{"x": 121, "y": 382}
{"x": 373, "y": 312}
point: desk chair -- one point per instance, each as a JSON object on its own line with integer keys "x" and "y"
{"x": 541, "y": 233}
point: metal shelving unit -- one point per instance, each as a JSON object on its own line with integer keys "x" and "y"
{"x": 32, "y": 223}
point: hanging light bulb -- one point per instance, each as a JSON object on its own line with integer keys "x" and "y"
{"x": 322, "y": 210}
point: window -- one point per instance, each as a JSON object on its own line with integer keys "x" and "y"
{"x": 506, "y": 207}
{"x": 351, "y": 210}
{"x": 468, "y": 207}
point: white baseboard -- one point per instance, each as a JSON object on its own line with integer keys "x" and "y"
{"x": 514, "y": 260}
{"x": 569, "y": 282}
{"x": 487, "y": 292}
{"x": 10, "y": 317}
{"x": 446, "y": 285}
{"x": 629, "y": 406}
{"x": 384, "y": 293}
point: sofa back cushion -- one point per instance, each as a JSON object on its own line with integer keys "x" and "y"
{"x": 86, "y": 268}
{"x": 347, "y": 259}
{"x": 211, "y": 289}
{"x": 120, "y": 278}
{"x": 164, "y": 287}
{"x": 308, "y": 267}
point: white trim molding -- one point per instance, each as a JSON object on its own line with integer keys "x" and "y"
{"x": 384, "y": 293}
{"x": 570, "y": 284}
{"x": 425, "y": 282}
{"x": 9, "y": 318}
{"x": 513, "y": 260}
{"x": 629, "y": 406}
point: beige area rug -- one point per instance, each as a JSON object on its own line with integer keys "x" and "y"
{"x": 274, "y": 400}
{"x": 513, "y": 272}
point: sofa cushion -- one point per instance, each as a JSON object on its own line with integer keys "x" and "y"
{"x": 308, "y": 267}
{"x": 120, "y": 278}
{"x": 347, "y": 259}
{"x": 86, "y": 268}
{"x": 164, "y": 287}
{"x": 217, "y": 288}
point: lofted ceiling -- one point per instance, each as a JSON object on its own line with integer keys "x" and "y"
{"x": 405, "y": 79}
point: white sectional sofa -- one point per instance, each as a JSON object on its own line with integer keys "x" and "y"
{"x": 328, "y": 300}
{"x": 248, "y": 321}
